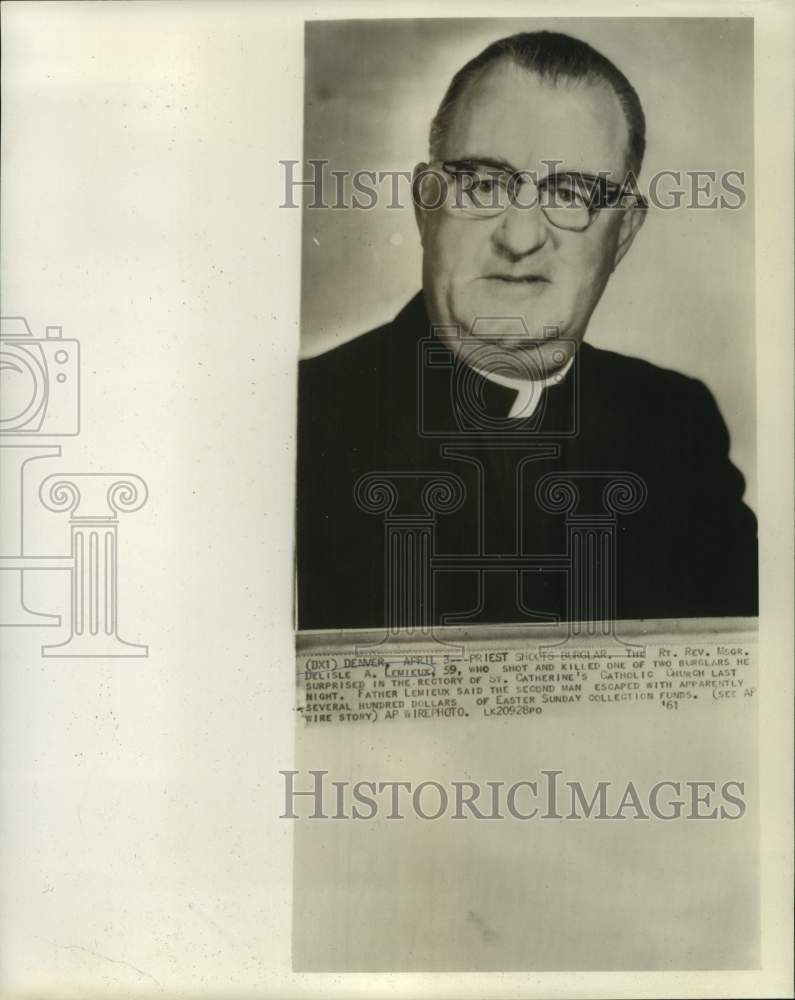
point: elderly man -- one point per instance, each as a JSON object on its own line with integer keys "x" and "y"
{"x": 483, "y": 390}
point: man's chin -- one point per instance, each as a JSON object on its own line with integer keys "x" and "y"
{"x": 509, "y": 331}
{"x": 518, "y": 323}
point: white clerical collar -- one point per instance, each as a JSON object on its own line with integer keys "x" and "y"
{"x": 528, "y": 390}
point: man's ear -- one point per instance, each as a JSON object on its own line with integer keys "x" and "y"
{"x": 631, "y": 222}
{"x": 419, "y": 211}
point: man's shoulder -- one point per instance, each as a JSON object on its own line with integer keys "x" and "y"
{"x": 364, "y": 353}
{"x": 621, "y": 381}
{"x": 365, "y": 356}
{"x": 361, "y": 355}
{"x": 602, "y": 369}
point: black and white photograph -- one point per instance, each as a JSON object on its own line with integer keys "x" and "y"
{"x": 548, "y": 229}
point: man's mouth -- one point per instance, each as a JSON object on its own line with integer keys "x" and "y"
{"x": 518, "y": 279}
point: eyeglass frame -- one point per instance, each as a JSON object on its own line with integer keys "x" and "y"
{"x": 604, "y": 193}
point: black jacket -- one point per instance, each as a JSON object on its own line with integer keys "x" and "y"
{"x": 680, "y": 543}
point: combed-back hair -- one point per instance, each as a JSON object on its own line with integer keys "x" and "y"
{"x": 553, "y": 57}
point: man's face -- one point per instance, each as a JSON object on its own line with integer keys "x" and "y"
{"x": 517, "y": 264}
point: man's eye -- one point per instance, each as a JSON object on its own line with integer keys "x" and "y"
{"x": 478, "y": 184}
{"x": 485, "y": 184}
{"x": 567, "y": 194}
{"x": 476, "y": 187}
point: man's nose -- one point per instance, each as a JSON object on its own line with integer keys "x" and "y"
{"x": 522, "y": 230}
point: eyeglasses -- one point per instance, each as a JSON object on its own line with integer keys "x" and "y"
{"x": 568, "y": 200}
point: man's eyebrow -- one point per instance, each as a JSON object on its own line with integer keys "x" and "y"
{"x": 497, "y": 163}
{"x": 485, "y": 161}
